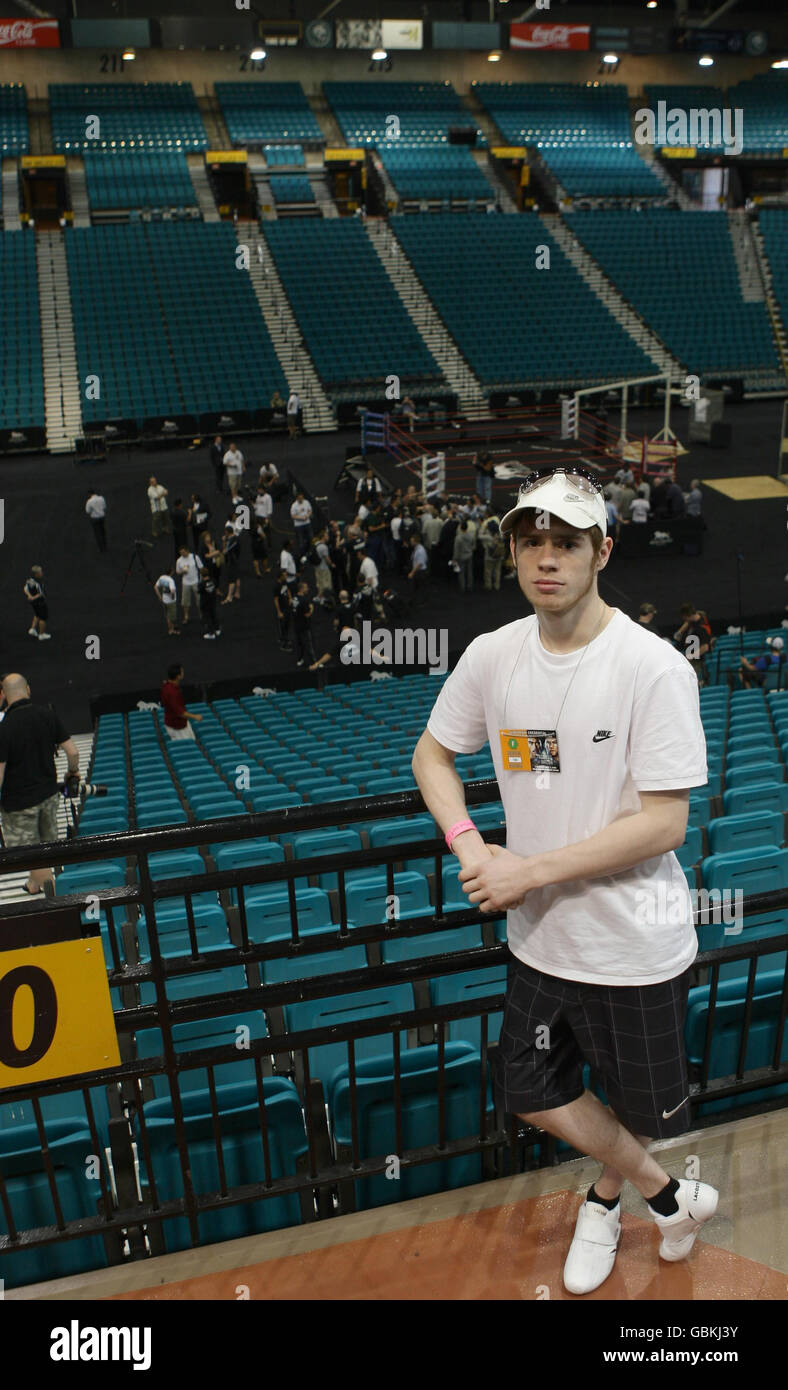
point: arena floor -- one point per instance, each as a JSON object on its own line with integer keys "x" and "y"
{"x": 506, "y": 1239}
{"x": 45, "y": 523}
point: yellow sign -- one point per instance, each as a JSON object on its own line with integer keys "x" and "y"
{"x": 508, "y": 151}
{"x": 678, "y": 151}
{"x": 43, "y": 161}
{"x": 55, "y": 1012}
{"x": 344, "y": 154}
{"x": 225, "y": 156}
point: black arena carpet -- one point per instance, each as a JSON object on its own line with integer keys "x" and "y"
{"x": 45, "y": 522}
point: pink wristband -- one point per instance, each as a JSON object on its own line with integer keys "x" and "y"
{"x": 458, "y": 829}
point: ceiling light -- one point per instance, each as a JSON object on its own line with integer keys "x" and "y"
{"x": 379, "y": 55}
{"x": 128, "y": 55}
{"x": 493, "y": 57}
{"x": 258, "y": 55}
{"x": 706, "y": 61}
{"x": 781, "y": 63}
{"x": 651, "y": 4}
{"x": 610, "y": 58}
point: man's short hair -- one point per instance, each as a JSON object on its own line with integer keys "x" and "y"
{"x": 646, "y": 608}
{"x": 174, "y": 670}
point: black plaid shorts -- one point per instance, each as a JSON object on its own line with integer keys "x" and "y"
{"x": 632, "y": 1035}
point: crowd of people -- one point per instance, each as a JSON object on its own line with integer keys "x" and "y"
{"x": 631, "y": 504}
{"x": 378, "y": 566}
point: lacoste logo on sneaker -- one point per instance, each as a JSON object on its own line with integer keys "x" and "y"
{"x": 666, "y": 1114}
{"x": 601, "y": 734}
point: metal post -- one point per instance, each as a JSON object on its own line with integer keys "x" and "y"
{"x": 622, "y": 438}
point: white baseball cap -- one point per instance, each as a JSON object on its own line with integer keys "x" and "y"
{"x": 574, "y": 497}
{"x": 775, "y": 642}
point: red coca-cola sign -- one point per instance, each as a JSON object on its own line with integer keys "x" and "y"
{"x": 29, "y": 33}
{"x": 550, "y": 36}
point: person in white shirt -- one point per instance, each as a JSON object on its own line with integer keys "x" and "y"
{"x": 287, "y": 563}
{"x": 234, "y": 466}
{"x": 293, "y": 408}
{"x": 263, "y": 505}
{"x": 189, "y": 565}
{"x": 639, "y": 510}
{"x": 160, "y": 512}
{"x": 269, "y": 475}
{"x": 596, "y": 738}
{"x": 167, "y": 594}
{"x": 368, "y": 570}
{"x": 301, "y": 516}
{"x": 96, "y": 508}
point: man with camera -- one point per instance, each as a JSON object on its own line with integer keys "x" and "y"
{"x": 29, "y": 736}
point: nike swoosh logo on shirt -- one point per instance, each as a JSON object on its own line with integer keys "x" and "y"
{"x": 598, "y": 737}
{"x": 666, "y": 1114}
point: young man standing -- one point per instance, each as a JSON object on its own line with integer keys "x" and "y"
{"x": 160, "y": 512}
{"x": 34, "y": 593}
{"x": 167, "y": 594}
{"x": 177, "y": 720}
{"x": 188, "y": 566}
{"x": 590, "y": 835}
{"x": 234, "y": 466}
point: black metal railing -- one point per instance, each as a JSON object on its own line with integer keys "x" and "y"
{"x": 130, "y": 1111}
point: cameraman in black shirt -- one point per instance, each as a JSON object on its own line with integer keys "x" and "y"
{"x": 29, "y": 736}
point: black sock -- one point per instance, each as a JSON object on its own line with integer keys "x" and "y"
{"x": 593, "y": 1196}
{"x": 665, "y": 1201}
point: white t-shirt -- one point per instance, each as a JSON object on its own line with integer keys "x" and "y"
{"x": 639, "y": 510}
{"x": 158, "y": 498}
{"x": 233, "y": 461}
{"x": 369, "y": 572}
{"x": 96, "y": 507}
{"x": 286, "y": 562}
{"x": 189, "y": 566}
{"x": 263, "y": 505}
{"x": 166, "y": 587}
{"x": 301, "y": 512}
{"x": 630, "y": 928}
{"x": 293, "y": 404}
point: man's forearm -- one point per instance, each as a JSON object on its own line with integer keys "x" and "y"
{"x": 618, "y": 847}
{"x": 444, "y": 795}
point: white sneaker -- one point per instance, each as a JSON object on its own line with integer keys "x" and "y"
{"x": 44, "y": 636}
{"x": 592, "y": 1253}
{"x": 32, "y": 632}
{"x": 697, "y": 1203}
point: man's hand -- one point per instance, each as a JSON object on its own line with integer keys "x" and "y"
{"x": 501, "y": 881}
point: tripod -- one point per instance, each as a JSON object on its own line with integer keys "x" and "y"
{"x": 137, "y": 558}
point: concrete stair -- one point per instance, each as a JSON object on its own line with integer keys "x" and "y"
{"x": 770, "y": 298}
{"x": 673, "y": 189}
{"x": 78, "y": 190}
{"x": 467, "y": 387}
{"x": 39, "y": 125}
{"x": 326, "y": 119}
{"x": 296, "y": 363}
{"x": 10, "y": 202}
{"x": 212, "y": 119}
{"x": 499, "y": 188}
{"x": 202, "y": 187}
{"x": 605, "y": 290}
{"x": 319, "y": 185}
{"x": 747, "y": 265}
{"x": 62, "y": 401}
{"x": 11, "y": 885}
{"x": 258, "y": 172}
